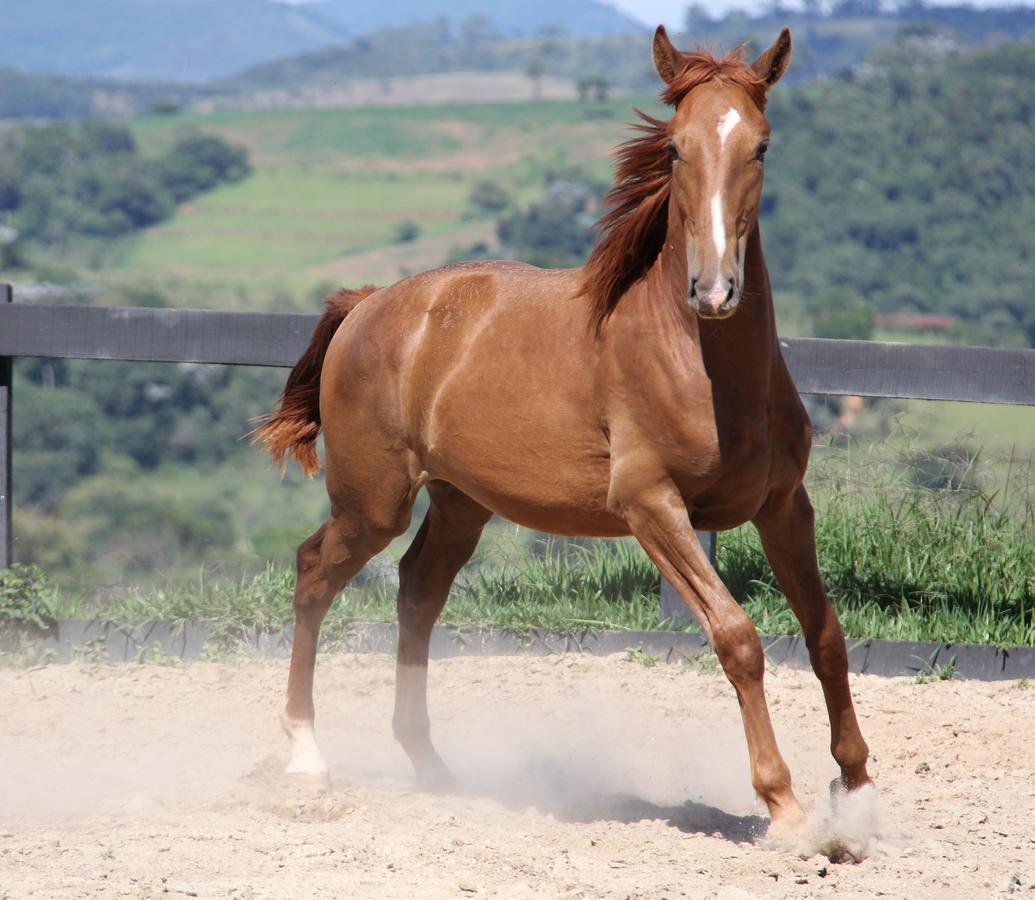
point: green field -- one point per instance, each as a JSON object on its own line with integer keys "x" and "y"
{"x": 285, "y": 222}
{"x": 332, "y": 187}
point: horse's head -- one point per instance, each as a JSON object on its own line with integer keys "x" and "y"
{"x": 717, "y": 140}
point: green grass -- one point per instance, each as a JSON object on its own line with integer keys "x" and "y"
{"x": 899, "y": 563}
{"x": 930, "y": 671}
{"x": 907, "y": 566}
{"x": 601, "y": 586}
{"x": 1002, "y": 437}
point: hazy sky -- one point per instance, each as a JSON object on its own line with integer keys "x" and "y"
{"x": 665, "y": 12}
{"x": 670, "y": 12}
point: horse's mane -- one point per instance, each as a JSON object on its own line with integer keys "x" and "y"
{"x": 631, "y": 232}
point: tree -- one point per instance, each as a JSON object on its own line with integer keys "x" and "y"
{"x": 592, "y": 87}
{"x": 101, "y": 137}
{"x": 477, "y": 33}
{"x": 88, "y": 179}
{"x": 535, "y": 68}
{"x": 840, "y": 313}
{"x": 489, "y": 196}
{"x": 406, "y": 232}
{"x": 10, "y": 192}
{"x": 199, "y": 162}
{"x": 558, "y": 230}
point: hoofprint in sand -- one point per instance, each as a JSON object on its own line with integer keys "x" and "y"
{"x": 577, "y": 776}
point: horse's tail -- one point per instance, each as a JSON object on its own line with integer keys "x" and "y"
{"x": 292, "y": 429}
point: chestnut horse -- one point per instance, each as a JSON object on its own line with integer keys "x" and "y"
{"x": 643, "y": 394}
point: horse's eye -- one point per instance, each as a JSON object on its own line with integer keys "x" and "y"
{"x": 760, "y": 153}
{"x": 673, "y": 151}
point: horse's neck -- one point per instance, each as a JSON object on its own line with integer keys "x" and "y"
{"x": 745, "y": 345}
{"x": 739, "y": 351}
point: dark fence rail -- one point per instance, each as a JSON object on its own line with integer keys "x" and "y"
{"x": 866, "y": 368}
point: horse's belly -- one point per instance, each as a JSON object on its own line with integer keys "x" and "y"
{"x": 535, "y": 483}
{"x": 563, "y": 519}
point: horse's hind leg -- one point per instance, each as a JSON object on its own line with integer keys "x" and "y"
{"x": 446, "y": 540}
{"x": 786, "y": 526}
{"x": 326, "y": 561}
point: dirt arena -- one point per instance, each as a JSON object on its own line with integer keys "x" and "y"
{"x": 578, "y": 777}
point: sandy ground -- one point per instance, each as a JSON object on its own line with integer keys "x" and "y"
{"x": 578, "y": 777}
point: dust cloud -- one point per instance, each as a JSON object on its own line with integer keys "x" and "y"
{"x": 97, "y": 743}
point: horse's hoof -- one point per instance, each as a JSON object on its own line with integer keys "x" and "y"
{"x": 853, "y": 823}
{"x": 313, "y": 782}
{"x": 785, "y": 833}
{"x": 841, "y": 788}
{"x": 436, "y": 779}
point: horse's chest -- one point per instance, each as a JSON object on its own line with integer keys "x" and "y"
{"x": 725, "y": 483}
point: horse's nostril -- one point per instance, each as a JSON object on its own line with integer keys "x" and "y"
{"x": 729, "y": 293}
{"x": 693, "y": 287}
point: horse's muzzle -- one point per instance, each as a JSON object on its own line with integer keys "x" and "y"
{"x": 719, "y": 302}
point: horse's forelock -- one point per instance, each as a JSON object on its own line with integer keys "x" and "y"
{"x": 701, "y": 66}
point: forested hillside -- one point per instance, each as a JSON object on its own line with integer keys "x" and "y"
{"x": 909, "y": 187}
{"x": 33, "y": 96}
{"x": 505, "y": 17}
{"x": 904, "y": 188}
{"x": 66, "y": 187}
{"x": 825, "y": 44}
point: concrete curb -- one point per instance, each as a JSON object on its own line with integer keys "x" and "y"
{"x": 79, "y": 639}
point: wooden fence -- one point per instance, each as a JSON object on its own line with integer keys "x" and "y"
{"x": 865, "y": 368}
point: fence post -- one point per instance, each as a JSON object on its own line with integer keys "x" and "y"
{"x": 672, "y": 605}
{"x": 6, "y": 378}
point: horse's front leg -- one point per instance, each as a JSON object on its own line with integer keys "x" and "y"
{"x": 786, "y": 526}
{"x": 658, "y": 518}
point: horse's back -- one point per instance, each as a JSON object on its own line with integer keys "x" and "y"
{"x": 426, "y": 321}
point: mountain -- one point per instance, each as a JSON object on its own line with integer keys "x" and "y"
{"x": 825, "y": 45}
{"x": 181, "y": 40}
{"x": 426, "y": 48}
{"x": 197, "y": 40}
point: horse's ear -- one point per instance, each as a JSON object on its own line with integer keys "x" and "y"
{"x": 773, "y": 63}
{"x": 666, "y": 57}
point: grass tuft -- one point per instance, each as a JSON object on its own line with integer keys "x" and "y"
{"x": 641, "y": 656}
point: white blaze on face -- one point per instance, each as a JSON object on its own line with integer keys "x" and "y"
{"x": 726, "y": 125}
{"x": 718, "y": 227}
